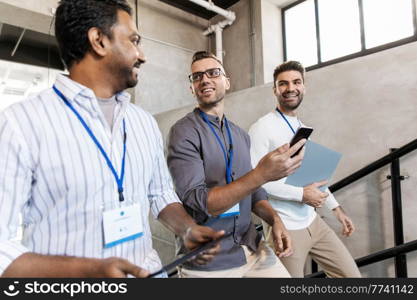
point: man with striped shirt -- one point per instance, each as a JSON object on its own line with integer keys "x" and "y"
{"x": 83, "y": 166}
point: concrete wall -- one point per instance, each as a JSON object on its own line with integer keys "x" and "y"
{"x": 253, "y": 44}
{"x": 34, "y": 15}
{"x": 237, "y": 47}
{"x": 170, "y": 39}
{"x": 360, "y": 108}
{"x": 44, "y": 7}
{"x": 273, "y": 52}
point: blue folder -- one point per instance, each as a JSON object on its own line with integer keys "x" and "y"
{"x": 319, "y": 164}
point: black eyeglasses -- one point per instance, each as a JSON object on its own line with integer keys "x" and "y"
{"x": 211, "y": 73}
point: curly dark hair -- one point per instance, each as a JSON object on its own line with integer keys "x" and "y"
{"x": 74, "y": 18}
{"x": 291, "y": 65}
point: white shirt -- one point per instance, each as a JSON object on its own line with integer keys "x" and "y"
{"x": 54, "y": 175}
{"x": 268, "y": 133}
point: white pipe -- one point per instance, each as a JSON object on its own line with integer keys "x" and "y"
{"x": 219, "y": 43}
{"x": 212, "y": 28}
{"x": 210, "y": 6}
{"x": 218, "y": 28}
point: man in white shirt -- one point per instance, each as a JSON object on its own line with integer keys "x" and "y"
{"x": 83, "y": 166}
{"x": 296, "y": 205}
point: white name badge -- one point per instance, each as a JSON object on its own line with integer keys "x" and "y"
{"x": 234, "y": 211}
{"x": 121, "y": 225}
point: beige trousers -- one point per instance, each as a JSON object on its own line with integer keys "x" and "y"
{"x": 324, "y": 247}
{"x": 260, "y": 264}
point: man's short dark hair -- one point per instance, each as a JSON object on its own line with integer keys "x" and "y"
{"x": 199, "y": 55}
{"x": 75, "y": 17}
{"x": 291, "y": 65}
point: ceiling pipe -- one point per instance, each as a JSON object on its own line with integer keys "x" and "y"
{"x": 18, "y": 41}
{"x": 217, "y": 29}
{"x": 218, "y": 10}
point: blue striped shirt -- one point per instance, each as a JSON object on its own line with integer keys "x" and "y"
{"x": 53, "y": 174}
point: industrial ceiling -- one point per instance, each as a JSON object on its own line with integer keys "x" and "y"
{"x": 197, "y": 10}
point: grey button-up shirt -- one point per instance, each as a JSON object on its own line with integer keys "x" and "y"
{"x": 196, "y": 162}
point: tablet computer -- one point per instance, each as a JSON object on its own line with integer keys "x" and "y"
{"x": 189, "y": 255}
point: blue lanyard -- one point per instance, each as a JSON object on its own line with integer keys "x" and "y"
{"x": 119, "y": 181}
{"x": 283, "y": 116}
{"x": 228, "y": 160}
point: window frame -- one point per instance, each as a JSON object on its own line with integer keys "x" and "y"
{"x": 362, "y": 52}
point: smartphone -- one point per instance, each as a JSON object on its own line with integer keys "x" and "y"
{"x": 301, "y": 133}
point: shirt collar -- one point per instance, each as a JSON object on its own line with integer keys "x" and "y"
{"x": 213, "y": 119}
{"x": 75, "y": 91}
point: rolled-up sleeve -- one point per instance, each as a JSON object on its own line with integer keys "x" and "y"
{"x": 161, "y": 188}
{"x": 187, "y": 169}
{"x": 258, "y": 195}
{"x": 331, "y": 202}
{"x": 15, "y": 187}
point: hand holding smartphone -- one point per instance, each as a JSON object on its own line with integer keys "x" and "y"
{"x": 302, "y": 132}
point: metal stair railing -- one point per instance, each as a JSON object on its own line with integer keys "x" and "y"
{"x": 399, "y": 251}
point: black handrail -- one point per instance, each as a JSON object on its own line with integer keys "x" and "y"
{"x": 397, "y": 216}
{"x": 377, "y": 256}
{"x": 387, "y": 159}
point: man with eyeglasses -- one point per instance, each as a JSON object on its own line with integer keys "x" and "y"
{"x": 208, "y": 157}
{"x": 296, "y": 205}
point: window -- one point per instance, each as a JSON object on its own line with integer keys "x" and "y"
{"x": 340, "y": 32}
{"x": 322, "y": 32}
{"x": 387, "y": 21}
{"x": 300, "y": 37}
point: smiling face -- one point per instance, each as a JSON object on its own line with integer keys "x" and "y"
{"x": 289, "y": 90}
{"x": 209, "y": 91}
{"x": 126, "y": 53}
